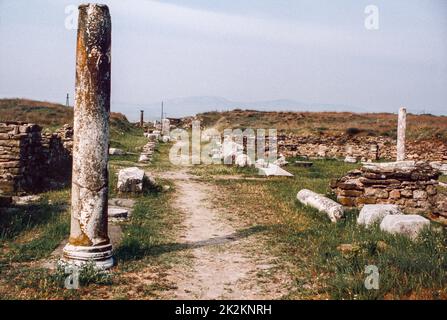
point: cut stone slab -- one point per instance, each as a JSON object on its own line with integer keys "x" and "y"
{"x": 130, "y": 180}
{"x": 117, "y": 212}
{"x": 274, "y": 170}
{"x": 399, "y": 165}
{"x": 144, "y": 158}
{"x": 281, "y": 161}
{"x": 119, "y": 202}
{"x": 333, "y": 209}
{"x": 116, "y": 152}
{"x": 374, "y": 213}
{"x": 442, "y": 167}
{"x": 408, "y": 225}
{"x": 26, "y": 199}
{"x": 350, "y": 159}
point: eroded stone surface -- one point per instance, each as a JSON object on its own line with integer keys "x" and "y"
{"x": 119, "y": 202}
{"x": 130, "y": 180}
{"x": 116, "y": 152}
{"x": 374, "y": 213}
{"x": 273, "y": 170}
{"x": 333, "y": 209}
{"x": 401, "y": 129}
{"x": 408, "y": 225}
{"x": 118, "y": 212}
{"x": 89, "y": 228}
{"x": 410, "y": 185}
{"x": 350, "y": 159}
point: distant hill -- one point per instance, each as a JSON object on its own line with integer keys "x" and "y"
{"x": 420, "y": 127}
{"x": 188, "y": 106}
{"x": 49, "y": 115}
{"x": 44, "y": 113}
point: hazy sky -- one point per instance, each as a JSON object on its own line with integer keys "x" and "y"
{"x": 247, "y": 50}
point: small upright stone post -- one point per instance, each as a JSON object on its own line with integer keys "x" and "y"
{"x": 401, "y": 129}
{"x": 165, "y": 127}
{"x": 89, "y": 240}
{"x": 141, "y": 118}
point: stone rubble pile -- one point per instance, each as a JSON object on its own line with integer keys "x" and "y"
{"x": 360, "y": 148}
{"x": 410, "y": 185}
{"x": 147, "y": 152}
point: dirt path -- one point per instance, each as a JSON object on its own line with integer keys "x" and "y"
{"x": 223, "y": 261}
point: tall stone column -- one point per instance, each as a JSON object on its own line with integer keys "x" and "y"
{"x": 89, "y": 239}
{"x": 401, "y": 129}
{"x": 141, "y": 118}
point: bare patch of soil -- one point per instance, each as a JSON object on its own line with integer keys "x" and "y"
{"x": 223, "y": 261}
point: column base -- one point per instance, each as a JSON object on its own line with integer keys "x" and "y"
{"x": 100, "y": 256}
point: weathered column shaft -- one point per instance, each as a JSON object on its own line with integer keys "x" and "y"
{"x": 89, "y": 233}
{"x": 141, "y": 118}
{"x": 165, "y": 127}
{"x": 401, "y": 129}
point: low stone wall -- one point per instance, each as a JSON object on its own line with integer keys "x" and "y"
{"x": 361, "y": 147}
{"x": 412, "y": 186}
{"x": 32, "y": 160}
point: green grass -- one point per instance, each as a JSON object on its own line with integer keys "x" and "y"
{"x": 207, "y": 171}
{"x": 307, "y": 240}
{"x": 31, "y": 232}
{"x": 148, "y": 233}
{"x": 160, "y": 159}
{"x": 128, "y": 140}
{"x": 297, "y": 235}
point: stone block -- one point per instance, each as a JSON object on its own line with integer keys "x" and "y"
{"x": 374, "y": 213}
{"x": 116, "y": 152}
{"x": 408, "y": 225}
{"x": 130, "y": 180}
{"x": 394, "y": 194}
{"x": 346, "y": 201}
{"x": 117, "y": 212}
{"x": 349, "y": 193}
{"x": 431, "y": 190}
{"x": 419, "y": 195}
{"x": 365, "y": 200}
{"x": 406, "y": 193}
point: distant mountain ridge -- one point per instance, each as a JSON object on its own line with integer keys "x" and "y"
{"x": 188, "y": 106}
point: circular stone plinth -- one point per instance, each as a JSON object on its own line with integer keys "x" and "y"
{"x": 117, "y": 212}
{"x": 100, "y": 256}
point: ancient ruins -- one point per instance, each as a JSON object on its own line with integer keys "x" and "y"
{"x": 412, "y": 185}
{"x": 33, "y": 161}
{"x": 409, "y": 184}
{"x": 89, "y": 239}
